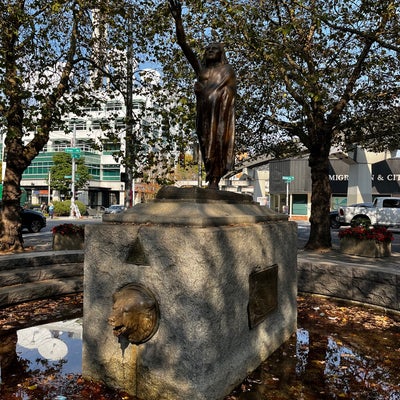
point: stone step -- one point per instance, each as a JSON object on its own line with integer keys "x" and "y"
{"x": 35, "y": 259}
{"x": 365, "y": 280}
{"x": 22, "y": 275}
{"x": 39, "y": 290}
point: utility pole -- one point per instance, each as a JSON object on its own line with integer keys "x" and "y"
{"x": 130, "y": 137}
{"x": 287, "y": 180}
{"x": 3, "y": 162}
{"x": 49, "y": 189}
{"x": 72, "y": 211}
{"x": 199, "y": 165}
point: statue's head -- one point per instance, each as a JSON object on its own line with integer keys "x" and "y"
{"x": 135, "y": 313}
{"x": 214, "y": 52}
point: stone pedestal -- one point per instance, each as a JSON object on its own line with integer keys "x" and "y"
{"x": 365, "y": 248}
{"x": 223, "y": 272}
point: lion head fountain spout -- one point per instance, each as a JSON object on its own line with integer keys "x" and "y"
{"x": 135, "y": 313}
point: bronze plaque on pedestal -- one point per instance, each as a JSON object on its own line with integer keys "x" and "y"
{"x": 263, "y": 294}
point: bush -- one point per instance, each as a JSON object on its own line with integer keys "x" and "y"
{"x": 63, "y": 208}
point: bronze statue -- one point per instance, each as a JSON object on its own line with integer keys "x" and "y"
{"x": 135, "y": 313}
{"x": 215, "y": 91}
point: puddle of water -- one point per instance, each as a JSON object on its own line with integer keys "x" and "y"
{"x": 315, "y": 367}
{"x": 339, "y": 353}
{"x": 327, "y": 358}
{"x": 58, "y": 345}
{"x": 43, "y": 354}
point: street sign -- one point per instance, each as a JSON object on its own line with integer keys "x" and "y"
{"x": 67, "y": 176}
{"x": 74, "y": 151}
{"x": 288, "y": 178}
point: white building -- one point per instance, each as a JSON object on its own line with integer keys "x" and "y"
{"x": 106, "y": 186}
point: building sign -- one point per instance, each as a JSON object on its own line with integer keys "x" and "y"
{"x": 385, "y": 177}
{"x": 379, "y": 177}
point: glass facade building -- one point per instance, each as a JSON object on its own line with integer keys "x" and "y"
{"x": 88, "y": 135}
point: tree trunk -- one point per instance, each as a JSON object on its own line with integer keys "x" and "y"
{"x": 320, "y": 233}
{"x": 18, "y": 159}
{"x": 11, "y": 229}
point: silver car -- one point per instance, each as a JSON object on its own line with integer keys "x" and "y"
{"x": 114, "y": 209}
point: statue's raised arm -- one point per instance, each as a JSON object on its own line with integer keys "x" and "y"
{"x": 175, "y": 7}
{"x": 215, "y": 91}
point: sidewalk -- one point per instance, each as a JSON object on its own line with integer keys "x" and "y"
{"x": 336, "y": 257}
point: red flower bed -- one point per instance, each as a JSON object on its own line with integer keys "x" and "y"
{"x": 67, "y": 229}
{"x": 380, "y": 234}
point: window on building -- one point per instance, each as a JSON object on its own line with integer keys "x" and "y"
{"x": 86, "y": 145}
{"x": 91, "y": 109}
{"x": 61, "y": 145}
{"x": 96, "y": 124}
{"x": 120, "y": 123}
{"x": 111, "y": 146}
{"x": 111, "y": 172}
{"x": 58, "y": 128}
{"x": 100, "y": 124}
{"x": 37, "y": 170}
{"x": 113, "y": 106}
{"x": 94, "y": 171}
{"x": 79, "y": 125}
{"x": 138, "y": 105}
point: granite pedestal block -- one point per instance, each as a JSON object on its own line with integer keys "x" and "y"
{"x": 224, "y": 276}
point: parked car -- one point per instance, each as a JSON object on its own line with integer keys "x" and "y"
{"x": 336, "y": 222}
{"x": 384, "y": 211}
{"x": 32, "y": 220}
{"x": 114, "y": 209}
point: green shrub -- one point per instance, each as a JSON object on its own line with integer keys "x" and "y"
{"x": 63, "y": 208}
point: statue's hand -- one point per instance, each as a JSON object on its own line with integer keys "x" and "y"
{"x": 175, "y": 7}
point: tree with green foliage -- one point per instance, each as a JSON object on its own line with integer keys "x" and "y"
{"x": 56, "y": 58}
{"x": 311, "y": 75}
{"x": 43, "y": 44}
{"x": 61, "y": 174}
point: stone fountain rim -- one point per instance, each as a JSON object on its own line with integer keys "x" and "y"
{"x": 193, "y": 206}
